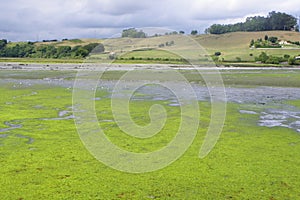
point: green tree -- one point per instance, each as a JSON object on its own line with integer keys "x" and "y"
{"x": 291, "y": 61}
{"x": 218, "y": 53}
{"x": 266, "y": 37}
{"x": 79, "y": 52}
{"x": 194, "y": 32}
{"x": 3, "y": 43}
{"x": 252, "y": 43}
{"x": 286, "y": 56}
{"x": 273, "y": 60}
{"x": 133, "y": 33}
{"x": 274, "y": 21}
{"x": 40, "y": 51}
{"x": 98, "y": 49}
{"x": 263, "y": 57}
{"x": 63, "y": 51}
{"x": 281, "y": 21}
{"x": 273, "y": 39}
{"x": 90, "y": 46}
{"x": 51, "y": 52}
{"x": 82, "y": 52}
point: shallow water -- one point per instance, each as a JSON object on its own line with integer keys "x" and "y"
{"x": 268, "y": 97}
{"x": 288, "y": 117}
{"x": 3, "y": 135}
{"x": 259, "y": 95}
{"x": 11, "y": 127}
{"x": 277, "y": 115}
{"x": 62, "y": 115}
{"x": 30, "y": 140}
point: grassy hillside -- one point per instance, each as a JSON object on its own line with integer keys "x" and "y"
{"x": 242, "y": 39}
{"x": 233, "y": 45}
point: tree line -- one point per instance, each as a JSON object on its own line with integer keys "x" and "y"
{"x": 134, "y": 33}
{"x": 270, "y": 59}
{"x": 274, "y": 21}
{"x": 31, "y": 50}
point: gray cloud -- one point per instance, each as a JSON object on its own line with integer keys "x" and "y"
{"x": 47, "y": 19}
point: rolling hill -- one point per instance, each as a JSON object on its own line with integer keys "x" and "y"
{"x": 234, "y": 47}
{"x": 236, "y": 44}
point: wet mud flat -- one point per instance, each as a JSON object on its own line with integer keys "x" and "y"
{"x": 122, "y": 67}
{"x": 268, "y": 103}
{"x": 282, "y": 116}
{"x": 273, "y": 111}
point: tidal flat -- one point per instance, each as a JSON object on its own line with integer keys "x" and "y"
{"x": 256, "y": 157}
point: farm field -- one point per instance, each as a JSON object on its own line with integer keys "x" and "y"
{"x": 256, "y": 157}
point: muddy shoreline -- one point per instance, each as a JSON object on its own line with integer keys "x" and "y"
{"x": 125, "y": 67}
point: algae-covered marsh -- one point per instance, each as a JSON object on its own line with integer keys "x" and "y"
{"x": 42, "y": 156}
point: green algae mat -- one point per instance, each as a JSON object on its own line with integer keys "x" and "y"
{"x": 42, "y": 156}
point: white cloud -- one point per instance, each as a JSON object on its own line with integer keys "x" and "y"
{"x": 47, "y": 19}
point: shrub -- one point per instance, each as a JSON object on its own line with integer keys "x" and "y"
{"x": 263, "y": 57}
{"x": 252, "y": 43}
{"x": 218, "y": 53}
{"x": 112, "y": 56}
{"x": 273, "y": 39}
{"x": 286, "y": 56}
{"x": 291, "y": 61}
{"x": 266, "y": 37}
{"x": 273, "y": 60}
{"x": 215, "y": 58}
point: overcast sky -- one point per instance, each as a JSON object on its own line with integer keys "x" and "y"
{"x": 57, "y": 19}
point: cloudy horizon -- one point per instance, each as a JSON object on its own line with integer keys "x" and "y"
{"x": 39, "y": 20}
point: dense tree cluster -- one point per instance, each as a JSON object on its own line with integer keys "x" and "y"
{"x": 194, "y": 32}
{"x": 271, "y": 42}
{"x": 133, "y": 33}
{"x": 274, "y": 21}
{"x": 270, "y": 59}
{"x": 295, "y": 43}
{"x": 268, "y": 42}
{"x": 31, "y": 50}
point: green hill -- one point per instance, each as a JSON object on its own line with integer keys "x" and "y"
{"x": 232, "y": 45}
